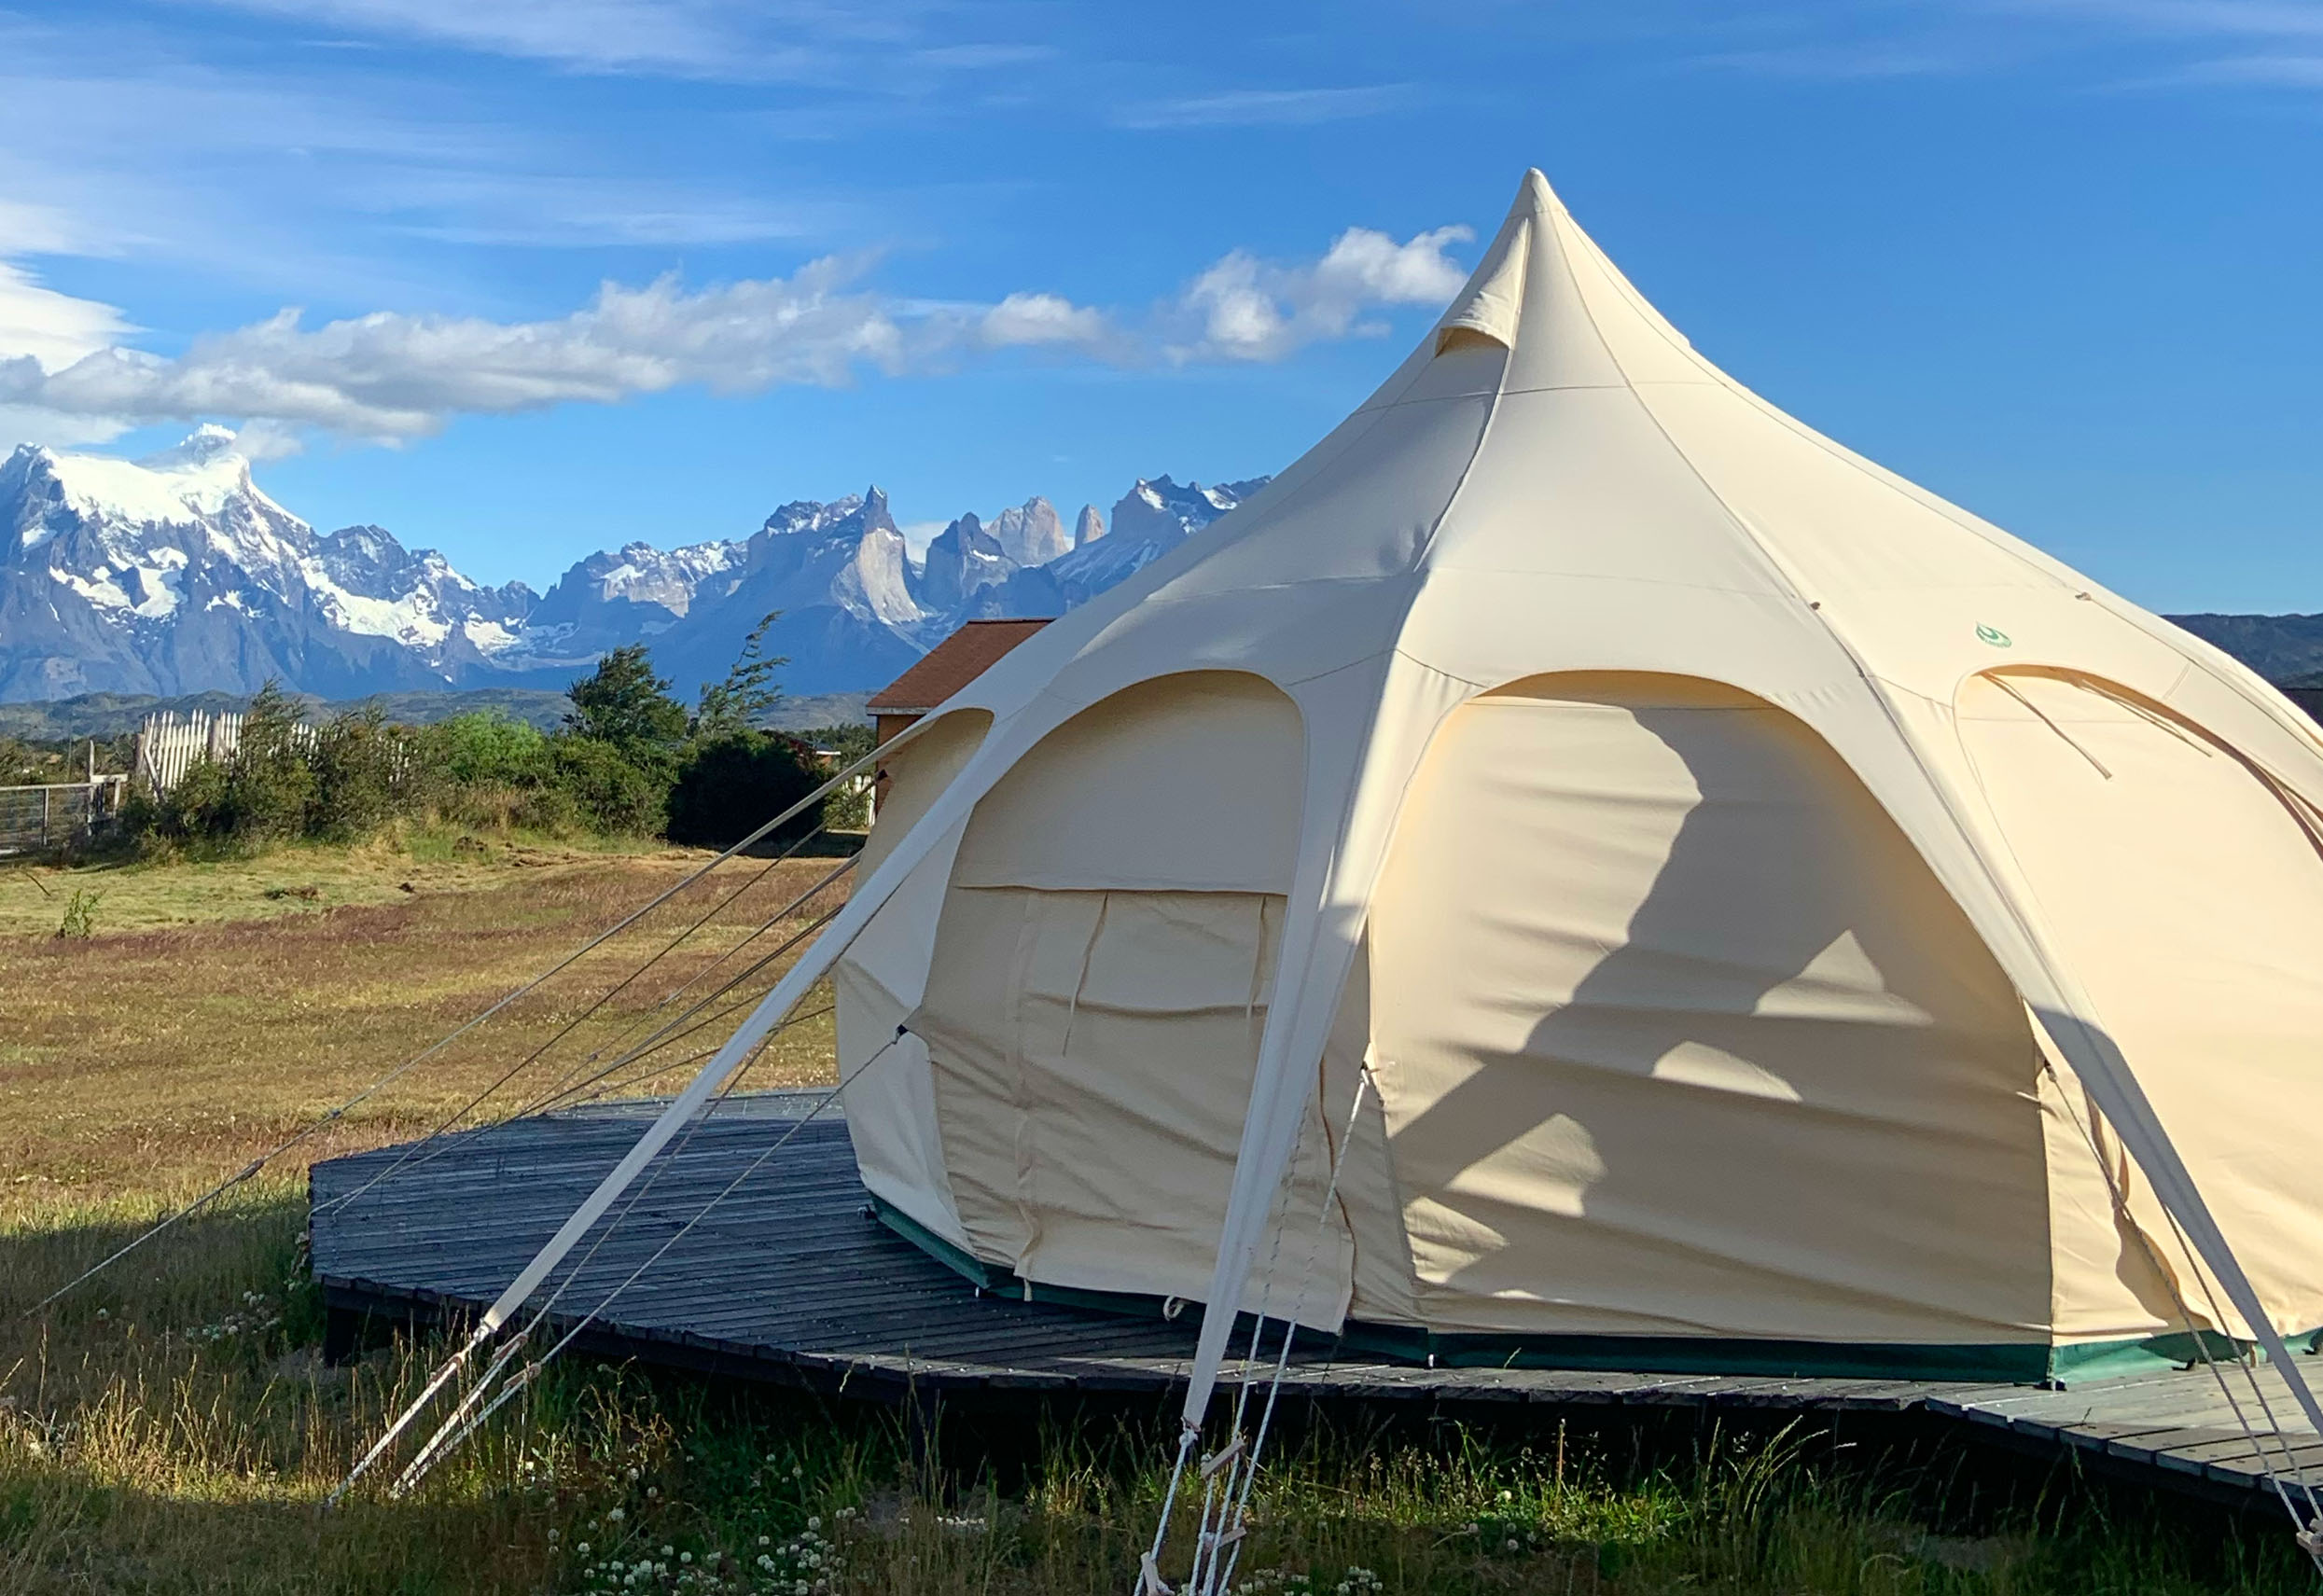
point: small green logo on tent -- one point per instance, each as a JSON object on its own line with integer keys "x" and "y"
{"x": 1992, "y": 635}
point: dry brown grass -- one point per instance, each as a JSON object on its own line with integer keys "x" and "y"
{"x": 143, "y": 1064}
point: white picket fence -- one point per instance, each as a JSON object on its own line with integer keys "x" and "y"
{"x": 169, "y": 744}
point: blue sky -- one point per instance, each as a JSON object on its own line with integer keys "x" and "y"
{"x": 520, "y": 280}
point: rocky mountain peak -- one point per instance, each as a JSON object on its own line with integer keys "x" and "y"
{"x": 1158, "y": 504}
{"x": 1031, "y": 534}
{"x": 962, "y": 561}
{"x": 1087, "y": 527}
{"x": 200, "y": 447}
{"x": 801, "y": 517}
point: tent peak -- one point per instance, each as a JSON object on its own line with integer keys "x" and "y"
{"x": 1490, "y": 303}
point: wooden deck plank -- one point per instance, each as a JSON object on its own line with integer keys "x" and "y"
{"x": 789, "y": 1278}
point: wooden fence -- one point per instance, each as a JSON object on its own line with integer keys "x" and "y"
{"x": 35, "y": 819}
{"x": 168, "y": 746}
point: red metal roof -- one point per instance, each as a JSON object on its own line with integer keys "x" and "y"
{"x": 951, "y": 665}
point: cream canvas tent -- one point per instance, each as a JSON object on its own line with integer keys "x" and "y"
{"x": 1781, "y": 921}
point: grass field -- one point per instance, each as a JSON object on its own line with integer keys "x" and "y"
{"x": 170, "y": 1427}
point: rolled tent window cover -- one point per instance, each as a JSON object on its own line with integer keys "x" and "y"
{"x": 1760, "y": 969}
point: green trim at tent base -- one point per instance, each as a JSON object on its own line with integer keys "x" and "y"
{"x": 2025, "y": 1363}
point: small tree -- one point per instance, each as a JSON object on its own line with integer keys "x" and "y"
{"x": 732, "y": 786}
{"x": 623, "y": 703}
{"x": 271, "y": 782}
{"x": 739, "y": 702}
{"x": 736, "y": 777}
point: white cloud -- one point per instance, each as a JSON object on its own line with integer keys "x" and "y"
{"x": 389, "y": 377}
{"x": 1858, "y": 62}
{"x": 1042, "y": 318}
{"x": 1266, "y": 108}
{"x": 734, "y": 40}
{"x": 55, "y": 329}
{"x": 2249, "y": 18}
{"x": 27, "y": 228}
{"x": 1246, "y": 309}
{"x": 44, "y": 330}
{"x": 2286, "y": 35}
{"x": 2275, "y": 71}
{"x": 668, "y": 36}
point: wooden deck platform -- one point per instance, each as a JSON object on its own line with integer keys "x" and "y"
{"x": 790, "y": 1279}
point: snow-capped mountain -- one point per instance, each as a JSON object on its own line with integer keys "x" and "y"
{"x": 1152, "y": 518}
{"x": 177, "y": 574}
{"x": 848, "y": 594}
{"x": 615, "y": 597}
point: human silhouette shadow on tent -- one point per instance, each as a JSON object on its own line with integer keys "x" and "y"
{"x": 1821, "y": 1054}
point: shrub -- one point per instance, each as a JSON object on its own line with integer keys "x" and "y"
{"x": 80, "y": 915}
{"x": 198, "y": 808}
{"x": 733, "y": 784}
{"x": 609, "y": 790}
{"x": 486, "y": 748}
{"x": 366, "y": 773}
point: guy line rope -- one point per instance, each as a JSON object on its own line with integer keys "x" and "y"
{"x": 428, "y": 1148}
{"x": 609, "y": 993}
{"x": 2306, "y": 1532}
{"x": 467, "y": 1417}
{"x": 1218, "y": 1541}
{"x": 331, "y": 1116}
